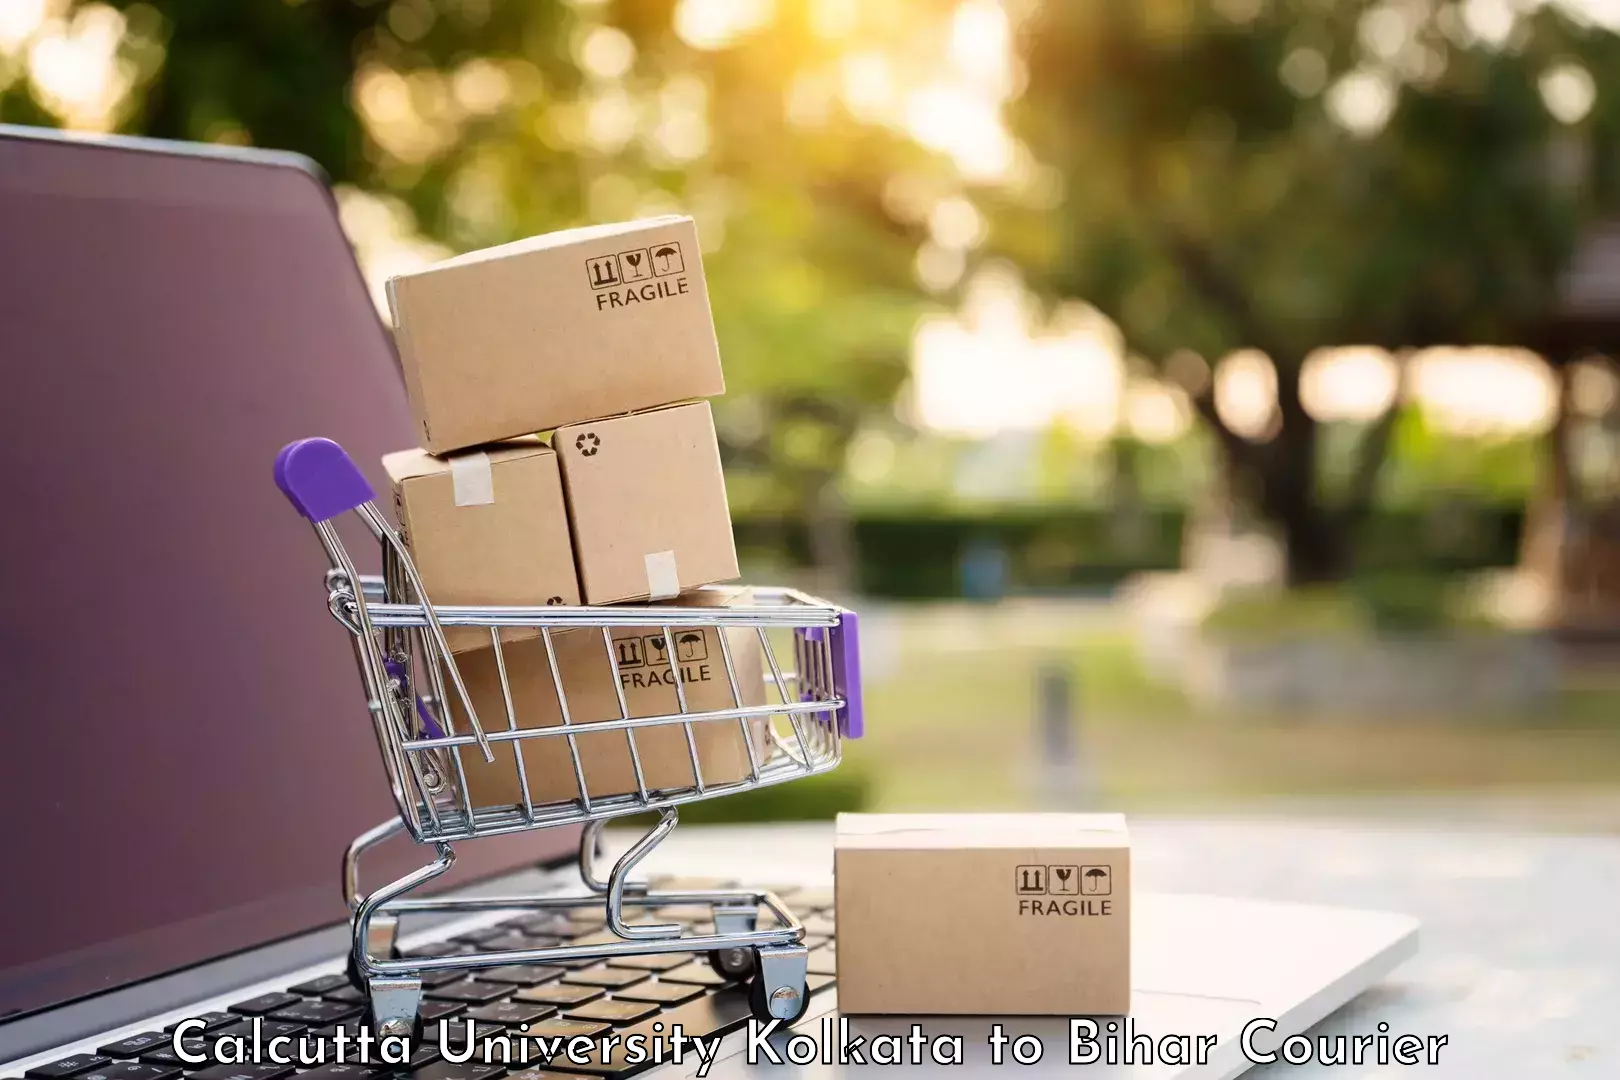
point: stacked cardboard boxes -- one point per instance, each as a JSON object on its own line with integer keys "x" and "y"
{"x": 602, "y": 337}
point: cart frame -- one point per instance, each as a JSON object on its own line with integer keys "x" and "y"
{"x": 399, "y": 643}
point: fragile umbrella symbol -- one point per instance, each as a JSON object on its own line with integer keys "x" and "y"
{"x": 1094, "y": 878}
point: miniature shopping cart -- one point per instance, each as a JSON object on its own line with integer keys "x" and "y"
{"x": 429, "y": 732}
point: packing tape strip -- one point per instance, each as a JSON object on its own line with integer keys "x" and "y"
{"x": 663, "y": 583}
{"x": 472, "y": 479}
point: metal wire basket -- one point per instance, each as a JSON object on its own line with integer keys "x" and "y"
{"x": 502, "y": 740}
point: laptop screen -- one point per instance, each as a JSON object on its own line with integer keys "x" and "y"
{"x": 187, "y": 749}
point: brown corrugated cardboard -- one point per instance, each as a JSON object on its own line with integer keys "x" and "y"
{"x": 649, "y": 690}
{"x": 488, "y": 527}
{"x": 983, "y": 914}
{"x": 647, "y": 502}
{"x": 555, "y": 329}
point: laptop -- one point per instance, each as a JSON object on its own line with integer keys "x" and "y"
{"x": 188, "y": 750}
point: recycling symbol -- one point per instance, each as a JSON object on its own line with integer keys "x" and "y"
{"x": 553, "y": 601}
{"x": 588, "y": 444}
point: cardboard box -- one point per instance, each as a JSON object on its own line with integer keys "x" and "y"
{"x": 488, "y": 527}
{"x": 983, "y": 914}
{"x": 649, "y": 690}
{"x": 647, "y": 503}
{"x": 555, "y": 329}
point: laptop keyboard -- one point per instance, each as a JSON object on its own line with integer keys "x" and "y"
{"x": 630, "y": 995}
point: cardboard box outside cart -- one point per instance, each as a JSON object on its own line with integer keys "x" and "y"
{"x": 983, "y": 914}
{"x": 649, "y": 690}
{"x": 555, "y": 329}
{"x": 647, "y": 504}
{"x": 486, "y": 528}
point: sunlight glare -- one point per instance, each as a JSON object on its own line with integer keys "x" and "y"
{"x": 1246, "y": 393}
{"x": 981, "y": 45}
{"x": 988, "y": 370}
{"x": 1485, "y": 391}
{"x": 715, "y": 24}
{"x": 869, "y": 90}
{"x": 1568, "y": 92}
{"x": 20, "y": 20}
{"x": 1362, "y": 102}
{"x": 75, "y": 69}
{"x": 606, "y": 52}
{"x": 1354, "y": 384}
{"x": 834, "y": 19}
{"x": 966, "y": 126}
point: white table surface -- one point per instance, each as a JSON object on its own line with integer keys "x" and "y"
{"x": 1520, "y": 956}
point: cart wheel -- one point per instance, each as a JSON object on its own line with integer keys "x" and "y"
{"x": 418, "y": 1029}
{"x": 760, "y": 1002}
{"x": 734, "y": 964}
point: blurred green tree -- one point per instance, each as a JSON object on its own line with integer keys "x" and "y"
{"x": 1282, "y": 175}
{"x": 493, "y": 120}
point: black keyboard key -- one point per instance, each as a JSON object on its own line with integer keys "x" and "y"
{"x": 133, "y": 1046}
{"x": 609, "y": 978}
{"x": 350, "y": 995}
{"x": 442, "y": 976}
{"x": 510, "y": 1013}
{"x": 470, "y": 991}
{"x": 268, "y": 1029}
{"x": 132, "y": 1070}
{"x": 69, "y": 1066}
{"x": 696, "y": 972}
{"x": 243, "y": 1072}
{"x": 342, "y": 1070}
{"x": 434, "y": 1011}
{"x": 539, "y": 1074}
{"x": 659, "y": 993}
{"x": 552, "y": 923}
{"x": 316, "y": 1013}
{"x": 664, "y": 961}
{"x": 715, "y": 1014}
{"x": 212, "y": 1021}
{"x": 165, "y": 1055}
{"x": 560, "y": 1027}
{"x": 352, "y": 1028}
{"x": 521, "y": 974}
{"x": 454, "y": 1032}
{"x": 264, "y": 1004}
{"x": 471, "y": 1070}
{"x": 500, "y": 939}
{"x": 422, "y": 1055}
{"x": 616, "y": 1011}
{"x": 439, "y": 948}
{"x": 559, "y": 994}
{"x": 586, "y": 919}
{"x": 317, "y": 987}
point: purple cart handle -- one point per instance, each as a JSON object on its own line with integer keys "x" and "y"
{"x": 844, "y": 644}
{"x": 320, "y": 479}
{"x": 845, "y": 639}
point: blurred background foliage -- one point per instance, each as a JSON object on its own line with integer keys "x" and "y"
{"x": 1063, "y": 299}
{"x": 1213, "y": 195}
